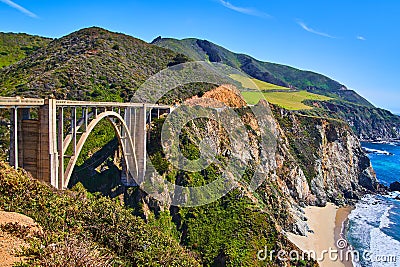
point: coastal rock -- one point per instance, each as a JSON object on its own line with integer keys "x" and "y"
{"x": 328, "y": 154}
{"x": 395, "y": 186}
{"x": 300, "y": 228}
{"x": 368, "y": 123}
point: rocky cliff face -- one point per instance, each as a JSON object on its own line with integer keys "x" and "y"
{"x": 368, "y": 123}
{"x": 317, "y": 161}
{"x": 314, "y": 160}
{"x": 326, "y": 154}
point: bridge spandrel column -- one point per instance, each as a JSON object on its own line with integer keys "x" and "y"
{"x": 47, "y": 152}
{"x": 136, "y": 121}
{"x": 14, "y": 139}
{"x": 141, "y": 140}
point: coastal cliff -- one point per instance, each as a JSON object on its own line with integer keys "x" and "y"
{"x": 326, "y": 154}
{"x": 315, "y": 161}
{"x": 369, "y": 124}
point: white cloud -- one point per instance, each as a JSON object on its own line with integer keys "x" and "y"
{"x": 361, "y": 38}
{"x": 20, "y": 8}
{"x": 244, "y": 10}
{"x": 306, "y": 28}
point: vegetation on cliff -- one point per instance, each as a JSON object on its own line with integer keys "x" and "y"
{"x": 16, "y": 46}
{"x": 231, "y": 230}
{"x": 76, "y": 218}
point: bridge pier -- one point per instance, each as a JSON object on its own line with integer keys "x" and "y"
{"x": 47, "y": 152}
{"x": 14, "y": 134}
{"x": 33, "y": 143}
{"x": 19, "y": 123}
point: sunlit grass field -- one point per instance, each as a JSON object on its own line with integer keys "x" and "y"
{"x": 252, "y": 83}
{"x": 287, "y": 100}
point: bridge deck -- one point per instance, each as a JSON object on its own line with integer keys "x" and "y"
{"x": 19, "y": 101}
{"x": 35, "y": 102}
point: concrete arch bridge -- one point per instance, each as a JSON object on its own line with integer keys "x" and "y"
{"x": 39, "y": 145}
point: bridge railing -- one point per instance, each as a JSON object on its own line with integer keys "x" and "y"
{"x": 20, "y": 102}
{"x": 28, "y": 102}
{"x": 67, "y": 103}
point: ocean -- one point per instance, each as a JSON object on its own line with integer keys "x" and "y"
{"x": 374, "y": 225}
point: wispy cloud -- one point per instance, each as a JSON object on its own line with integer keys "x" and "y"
{"x": 244, "y": 10}
{"x": 361, "y": 38}
{"x": 306, "y": 28}
{"x": 20, "y": 8}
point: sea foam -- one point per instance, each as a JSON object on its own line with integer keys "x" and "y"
{"x": 367, "y": 232}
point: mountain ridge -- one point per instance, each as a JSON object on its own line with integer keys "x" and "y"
{"x": 274, "y": 73}
{"x": 369, "y": 122}
{"x": 86, "y": 64}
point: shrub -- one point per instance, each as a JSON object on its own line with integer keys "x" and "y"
{"x": 75, "y": 216}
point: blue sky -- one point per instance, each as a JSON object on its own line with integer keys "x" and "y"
{"x": 354, "y": 42}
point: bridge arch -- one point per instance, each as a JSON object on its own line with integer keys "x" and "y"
{"x": 124, "y": 138}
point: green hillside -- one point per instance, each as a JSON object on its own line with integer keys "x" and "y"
{"x": 91, "y": 64}
{"x": 278, "y": 95}
{"x": 277, "y": 74}
{"x": 16, "y": 46}
{"x": 256, "y": 84}
{"x": 286, "y": 100}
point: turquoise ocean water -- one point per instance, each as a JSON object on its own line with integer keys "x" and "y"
{"x": 374, "y": 226}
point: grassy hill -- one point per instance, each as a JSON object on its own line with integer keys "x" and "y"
{"x": 253, "y": 83}
{"x": 311, "y": 93}
{"x": 91, "y": 64}
{"x": 278, "y": 95}
{"x": 272, "y": 73}
{"x": 286, "y": 100}
{"x": 16, "y": 46}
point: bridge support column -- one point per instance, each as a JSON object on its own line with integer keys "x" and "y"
{"x": 61, "y": 148}
{"x": 136, "y": 119}
{"x": 18, "y": 136}
{"x": 140, "y": 140}
{"x": 47, "y": 152}
{"x": 14, "y": 155}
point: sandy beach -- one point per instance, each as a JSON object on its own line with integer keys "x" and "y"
{"x": 326, "y": 224}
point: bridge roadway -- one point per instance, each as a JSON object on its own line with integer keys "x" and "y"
{"x": 47, "y": 135}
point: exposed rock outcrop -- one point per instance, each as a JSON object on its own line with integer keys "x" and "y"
{"x": 395, "y": 186}
{"x": 368, "y": 123}
{"x": 330, "y": 157}
{"x": 314, "y": 160}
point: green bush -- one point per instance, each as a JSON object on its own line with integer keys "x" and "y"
{"x": 78, "y": 215}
